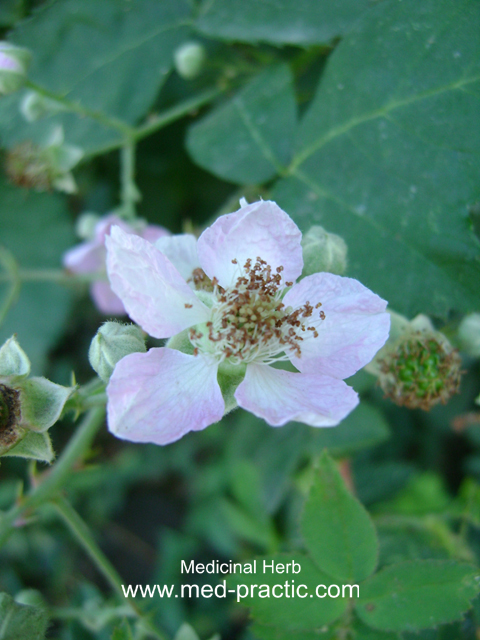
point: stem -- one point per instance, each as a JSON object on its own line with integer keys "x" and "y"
{"x": 129, "y": 195}
{"x": 76, "y": 448}
{"x": 48, "y": 275}
{"x": 86, "y": 540}
{"x": 85, "y": 112}
{"x": 175, "y": 113}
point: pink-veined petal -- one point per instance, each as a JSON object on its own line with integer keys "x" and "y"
{"x": 260, "y": 229}
{"x": 181, "y": 250}
{"x": 280, "y": 396}
{"x": 355, "y": 327}
{"x": 154, "y": 294}
{"x": 105, "y": 300}
{"x": 161, "y": 395}
{"x": 87, "y": 257}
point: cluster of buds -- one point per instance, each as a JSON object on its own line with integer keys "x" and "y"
{"x": 44, "y": 167}
{"x": 13, "y": 67}
{"x": 419, "y": 368}
{"x": 28, "y": 406}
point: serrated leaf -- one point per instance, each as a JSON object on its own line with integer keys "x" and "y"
{"x": 388, "y": 153}
{"x": 417, "y": 595}
{"x": 129, "y": 54}
{"x": 249, "y": 139}
{"x": 20, "y": 621}
{"x": 338, "y": 532}
{"x": 286, "y": 613}
{"x": 283, "y": 22}
{"x": 36, "y": 230}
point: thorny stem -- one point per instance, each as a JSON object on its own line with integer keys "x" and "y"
{"x": 85, "y": 538}
{"x": 76, "y": 449}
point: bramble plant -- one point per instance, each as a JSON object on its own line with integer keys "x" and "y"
{"x": 239, "y": 315}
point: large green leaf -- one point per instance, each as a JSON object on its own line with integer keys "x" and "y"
{"x": 249, "y": 139}
{"x": 388, "y": 154}
{"x": 110, "y": 56}
{"x": 21, "y": 621}
{"x": 417, "y": 595}
{"x": 281, "y": 22}
{"x": 338, "y": 532}
{"x": 36, "y": 231}
{"x": 303, "y": 612}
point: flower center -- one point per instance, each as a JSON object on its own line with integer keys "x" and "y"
{"x": 249, "y": 321}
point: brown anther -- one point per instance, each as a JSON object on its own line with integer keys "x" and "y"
{"x": 188, "y": 306}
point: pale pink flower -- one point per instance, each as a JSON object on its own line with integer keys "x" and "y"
{"x": 89, "y": 258}
{"x": 232, "y": 295}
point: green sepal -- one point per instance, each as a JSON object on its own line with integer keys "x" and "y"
{"x": 13, "y": 360}
{"x": 181, "y": 342}
{"x": 42, "y": 403}
{"x": 229, "y": 377}
{"x": 21, "y": 621}
{"x": 34, "y": 446}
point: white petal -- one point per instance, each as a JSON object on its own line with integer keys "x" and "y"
{"x": 161, "y": 395}
{"x": 154, "y": 294}
{"x": 355, "y": 327}
{"x": 280, "y": 396}
{"x": 181, "y": 250}
{"x": 260, "y": 229}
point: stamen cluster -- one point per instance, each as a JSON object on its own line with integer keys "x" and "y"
{"x": 249, "y": 321}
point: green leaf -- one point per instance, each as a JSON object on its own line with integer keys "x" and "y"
{"x": 417, "y": 595}
{"x": 34, "y": 446}
{"x": 388, "y": 153}
{"x": 186, "y": 632}
{"x": 249, "y": 139}
{"x": 273, "y": 633}
{"x": 122, "y": 632}
{"x": 287, "y": 613}
{"x": 283, "y": 22}
{"x": 363, "y": 428}
{"x": 129, "y": 53}
{"x": 20, "y": 621}
{"x": 36, "y": 230}
{"x": 338, "y": 532}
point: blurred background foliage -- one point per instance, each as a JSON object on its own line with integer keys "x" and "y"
{"x": 361, "y": 116}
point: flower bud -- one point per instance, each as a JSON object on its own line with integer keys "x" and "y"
{"x": 189, "y": 59}
{"x": 85, "y": 225}
{"x": 112, "y": 342}
{"x": 420, "y": 370}
{"x": 323, "y": 251}
{"x": 469, "y": 335}
{"x": 34, "y": 106}
{"x": 28, "y": 406}
{"x": 13, "y": 67}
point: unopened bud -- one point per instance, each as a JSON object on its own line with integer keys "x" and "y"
{"x": 189, "y": 59}
{"x": 469, "y": 335}
{"x": 323, "y": 251}
{"x": 85, "y": 225}
{"x": 113, "y": 342}
{"x": 35, "y": 106}
{"x": 421, "y": 369}
{"x": 13, "y": 67}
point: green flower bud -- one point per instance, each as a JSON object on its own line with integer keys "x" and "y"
{"x": 323, "y": 251}
{"x": 35, "y": 106}
{"x": 85, "y": 225}
{"x": 469, "y": 335}
{"x": 421, "y": 369}
{"x": 112, "y": 342}
{"x": 44, "y": 167}
{"x": 13, "y": 67}
{"x": 189, "y": 59}
{"x": 28, "y": 406}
